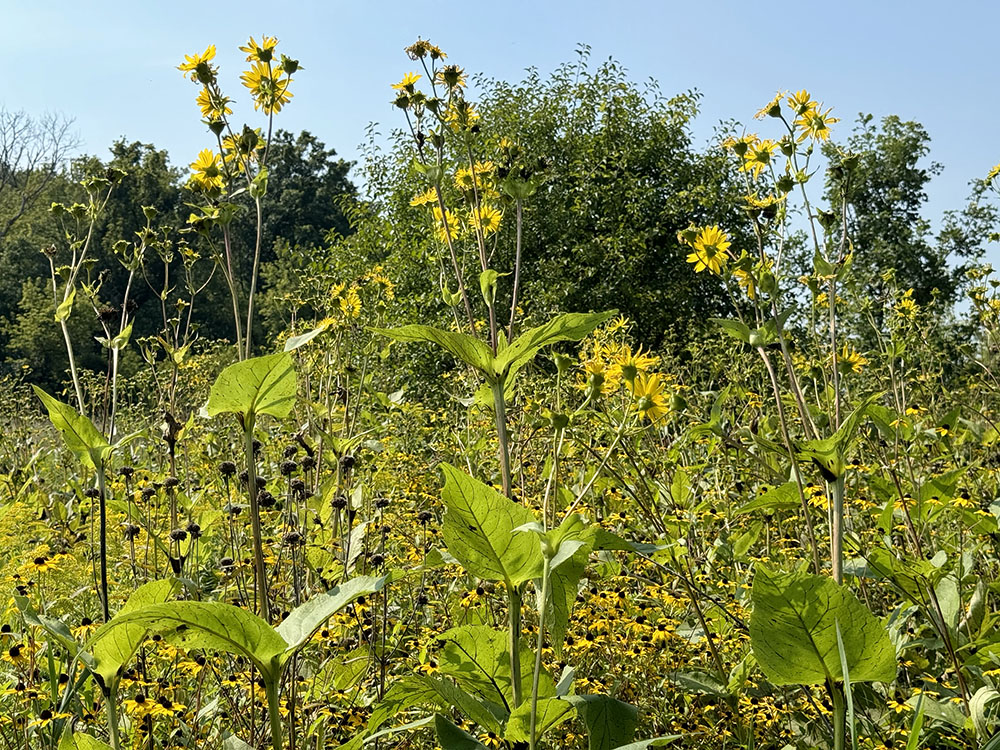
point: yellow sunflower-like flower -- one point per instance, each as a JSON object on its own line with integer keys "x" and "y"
{"x": 800, "y": 102}
{"x": 772, "y": 108}
{"x": 199, "y": 65}
{"x": 207, "y": 171}
{"x": 632, "y": 364}
{"x": 850, "y": 360}
{"x": 486, "y": 219}
{"x": 213, "y": 105}
{"x": 263, "y": 52}
{"x": 426, "y": 198}
{"x": 710, "y": 250}
{"x": 408, "y": 82}
{"x": 268, "y": 87}
{"x": 648, "y": 390}
{"x": 758, "y": 157}
{"x": 815, "y": 124}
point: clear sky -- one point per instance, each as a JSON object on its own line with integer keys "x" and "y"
{"x": 111, "y": 65}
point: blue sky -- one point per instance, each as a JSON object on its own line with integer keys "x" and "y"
{"x": 112, "y": 65}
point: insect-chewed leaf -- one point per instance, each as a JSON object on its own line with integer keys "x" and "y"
{"x": 479, "y": 526}
{"x": 260, "y": 385}
{"x": 793, "y": 631}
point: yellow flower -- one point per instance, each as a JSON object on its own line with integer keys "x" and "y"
{"x": 262, "y": 52}
{"x": 46, "y": 717}
{"x": 648, "y": 390}
{"x": 350, "y": 303}
{"x": 758, "y": 156}
{"x": 429, "y": 197}
{"x": 486, "y": 219}
{"x": 710, "y": 248}
{"x": 445, "y": 224}
{"x": 746, "y": 280}
{"x": 800, "y": 102}
{"x": 198, "y": 65}
{"x": 451, "y": 76}
{"x": 632, "y": 364}
{"x": 408, "y": 82}
{"x": 815, "y": 124}
{"x": 268, "y": 87}
{"x": 850, "y": 360}
{"x": 213, "y": 105}
{"x": 207, "y": 171}
{"x": 772, "y": 108}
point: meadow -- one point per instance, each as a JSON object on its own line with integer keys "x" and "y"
{"x": 719, "y": 471}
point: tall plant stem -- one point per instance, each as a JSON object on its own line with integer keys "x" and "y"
{"x": 837, "y": 529}
{"x": 260, "y": 588}
{"x": 517, "y": 272}
{"x": 501, "y": 419}
{"x": 539, "y": 642}
{"x": 839, "y": 716}
{"x": 103, "y": 520}
{"x": 253, "y": 280}
{"x": 514, "y": 641}
{"x": 274, "y": 714}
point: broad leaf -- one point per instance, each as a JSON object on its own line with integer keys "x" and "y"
{"x": 781, "y": 497}
{"x": 260, "y": 385}
{"x": 610, "y": 723}
{"x": 79, "y": 433}
{"x": 464, "y": 347}
{"x": 305, "y": 619}
{"x": 478, "y": 530}
{"x": 565, "y": 327}
{"x": 205, "y": 625}
{"x": 71, "y": 740}
{"x": 654, "y": 742}
{"x": 294, "y": 342}
{"x": 793, "y": 631}
{"x": 112, "y": 653}
{"x": 451, "y": 737}
{"x": 551, "y": 712}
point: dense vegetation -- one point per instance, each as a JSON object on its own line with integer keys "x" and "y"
{"x": 560, "y": 431}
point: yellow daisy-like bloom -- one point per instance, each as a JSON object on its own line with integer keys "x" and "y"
{"x": 263, "y": 52}
{"x": 350, "y": 303}
{"x": 268, "y": 88}
{"x": 710, "y": 250}
{"x": 441, "y": 220}
{"x": 850, "y": 360}
{"x": 650, "y": 401}
{"x": 746, "y": 280}
{"x": 632, "y": 364}
{"x": 772, "y": 108}
{"x": 800, "y": 102}
{"x": 993, "y": 173}
{"x": 451, "y": 76}
{"x": 408, "y": 82}
{"x": 212, "y": 105}
{"x": 198, "y": 65}
{"x": 758, "y": 156}
{"x": 815, "y": 124}
{"x": 428, "y": 197}
{"x": 207, "y": 171}
{"x": 486, "y": 219}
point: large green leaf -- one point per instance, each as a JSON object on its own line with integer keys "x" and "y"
{"x": 781, "y": 497}
{"x": 565, "y": 327}
{"x": 551, "y": 712}
{"x": 71, "y": 740}
{"x": 81, "y": 437}
{"x": 205, "y": 625}
{"x": 610, "y": 723}
{"x": 793, "y": 631}
{"x": 305, "y": 619}
{"x": 477, "y": 657}
{"x": 478, "y": 529}
{"x": 260, "y": 385}
{"x": 112, "y": 653}
{"x": 464, "y": 347}
{"x": 451, "y": 737}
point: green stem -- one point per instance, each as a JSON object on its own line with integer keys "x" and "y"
{"x": 514, "y": 645}
{"x": 103, "y": 511}
{"x": 111, "y": 704}
{"x": 274, "y": 714}
{"x": 501, "y": 418}
{"x": 839, "y": 716}
{"x": 264, "y": 603}
{"x": 837, "y": 529}
{"x": 539, "y": 641}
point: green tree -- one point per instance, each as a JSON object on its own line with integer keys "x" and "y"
{"x": 885, "y": 194}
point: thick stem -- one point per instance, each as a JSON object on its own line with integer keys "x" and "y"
{"x": 102, "y": 510}
{"x": 253, "y": 280}
{"x": 263, "y": 601}
{"x": 837, "y": 529}
{"x": 517, "y": 274}
{"x": 274, "y": 714}
{"x": 111, "y": 705}
{"x": 501, "y": 419}
{"x": 839, "y": 716}
{"x": 514, "y": 644}
{"x": 539, "y": 642}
